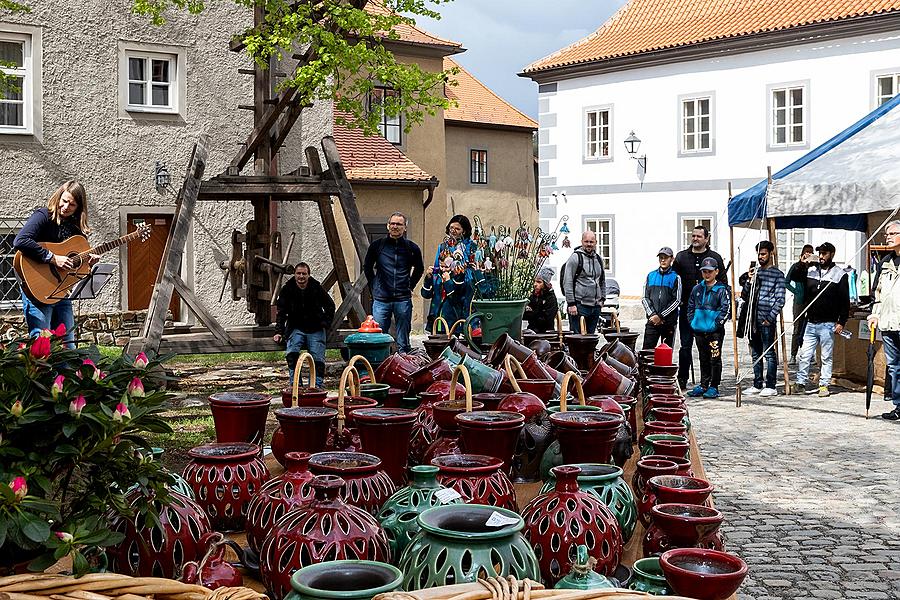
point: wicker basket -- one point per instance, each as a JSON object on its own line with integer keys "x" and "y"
{"x": 497, "y": 588}
{"x": 112, "y": 586}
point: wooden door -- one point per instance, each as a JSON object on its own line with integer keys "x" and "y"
{"x": 144, "y": 260}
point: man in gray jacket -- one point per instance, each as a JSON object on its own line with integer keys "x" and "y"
{"x": 886, "y": 312}
{"x": 584, "y": 284}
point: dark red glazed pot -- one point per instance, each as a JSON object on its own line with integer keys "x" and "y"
{"x": 557, "y": 522}
{"x": 645, "y": 469}
{"x": 479, "y": 479}
{"x": 425, "y": 430}
{"x": 301, "y": 429}
{"x": 447, "y": 441}
{"x": 620, "y": 352}
{"x": 504, "y": 345}
{"x": 385, "y": 433}
{"x": 526, "y": 404}
{"x": 437, "y": 370}
{"x": 225, "y": 477}
{"x": 240, "y": 416}
{"x": 586, "y": 437}
{"x": 325, "y": 529}
{"x": 652, "y": 427}
{"x": 543, "y": 389}
{"x": 309, "y": 396}
{"x": 492, "y": 433}
{"x": 347, "y": 440}
{"x": 561, "y": 362}
{"x": 677, "y": 489}
{"x": 684, "y": 464}
{"x": 396, "y": 369}
{"x": 367, "y": 485}
{"x": 682, "y": 526}
{"x": 490, "y": 400}
{"x": 703, "y": 574}
{"x": 603, "y": 380}
{"x": 442, "y": 389}
{"x": 395, "y": 398}
{"x": 665, "y": 445}
{"x": 668, "y": 414}
{"x": 277, "y": 496}
{"x": 582, "y": 348}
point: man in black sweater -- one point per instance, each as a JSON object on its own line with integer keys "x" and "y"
{"x": 393, "y": 267}
{"x": 687, "y": 267}
{"x": 305, "y": 311}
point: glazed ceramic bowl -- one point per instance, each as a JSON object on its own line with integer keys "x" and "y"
{"x": 703, "y": 574}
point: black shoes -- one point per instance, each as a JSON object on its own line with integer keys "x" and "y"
{"x": 893, "y": 415}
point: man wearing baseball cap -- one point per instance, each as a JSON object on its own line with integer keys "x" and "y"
{"x": 662, "y": 295}
{"x": 827, "y": 296}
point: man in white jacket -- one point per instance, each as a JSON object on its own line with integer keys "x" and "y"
{"x": 886, "y": 311}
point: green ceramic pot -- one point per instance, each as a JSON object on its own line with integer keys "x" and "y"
{"x": 344, "y": 580}
{"x": 605, "y": 482}
{"x": 458, "y": 545}
{"x": 582, "y": 577}
{"x": 647, "y": 576}
{"x": 497, "y": 317}
{"x": 375, "y": 391}
{"x": 647, "y": 446}
{"x": 398, "y": 515}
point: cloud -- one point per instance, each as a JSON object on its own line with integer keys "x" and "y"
{"x": 501, "y": 37}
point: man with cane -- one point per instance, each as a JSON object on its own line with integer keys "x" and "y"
{"x": 886, "y": 312}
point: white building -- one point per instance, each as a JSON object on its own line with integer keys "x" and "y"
{"x": 716, "y": 92}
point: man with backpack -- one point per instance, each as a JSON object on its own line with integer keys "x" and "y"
{"x": 583, "y": 282}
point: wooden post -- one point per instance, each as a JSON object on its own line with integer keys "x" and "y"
{"x": 737, "y": 369}
{"x": 784, "y": 355}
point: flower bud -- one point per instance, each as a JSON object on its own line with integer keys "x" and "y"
{"x": 57, "y": 387}
{"x": 60, "y": 330}
{"x": 64, "y": 537}
{"x": 141, "y": 361}
{"x": 95, "y": 373}
{"x": 76, "y": 406}
{"x": 17, "y": 408}
{"x": 40, "y": 347}
{"x": 19, "y": 487}
{"x": 136, "y": 388}
{"x": 121, "y": 412}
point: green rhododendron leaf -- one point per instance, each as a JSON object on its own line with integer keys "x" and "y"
{"x": 35, "y": 529}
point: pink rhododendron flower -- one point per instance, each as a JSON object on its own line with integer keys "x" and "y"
{"x": 19, "y": 487}
{"x": 17, "y": 408}
{"x": 141, "y": 361}
{"x": 57, "y": 387}
{"x": 40, "y": 347}
{"x": 76, "y": 406}
{"x": 121, "y": 412}
{"x": 136, "y": 388}
{"x": 60, "y": 330}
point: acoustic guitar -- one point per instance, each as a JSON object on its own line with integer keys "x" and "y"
{"x": 48, "y": 284}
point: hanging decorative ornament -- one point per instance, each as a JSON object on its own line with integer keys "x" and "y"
{"x": 566, "y": 242}
{"x": 492, "y": 239}
{"x": 554, "y": 246}
{"x": 564, "y": 228}
{"x": 488, "y": 265}
{"x": 479, "y": 256}
{"x": 499, "y": 246}
{"x": 508, "y": 240}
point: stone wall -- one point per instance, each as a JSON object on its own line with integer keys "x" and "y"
{"x": 101, "y": 328}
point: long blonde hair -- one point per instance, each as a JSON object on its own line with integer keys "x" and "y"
{"x": 77, "y": 190}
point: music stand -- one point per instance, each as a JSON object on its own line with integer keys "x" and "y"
{"x": 91, "y": 284}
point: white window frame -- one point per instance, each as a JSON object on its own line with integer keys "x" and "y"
{"x": 877, "y": 98}
{"x": 387, "y": 123}
{"x": 176, "y": 55}
{"x": 478, "y": 169}
{"x": 587, "y": 143}
{"x": 790, "y": 123}
{"x": 788, "y": 249}
{"x": 31, "y": 74}
{"x": 696, "y": 118}
{"x": 694, "y": 219}
{"x": 10, "y": 227}
{"x": 605, "y": 240}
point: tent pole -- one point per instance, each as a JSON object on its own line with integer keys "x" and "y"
{"x": 784, "y": 355}
{"x": 737, "y": 370}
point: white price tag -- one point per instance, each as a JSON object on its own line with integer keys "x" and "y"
{"x": 499, "y": 520}
{"x": 447, "y": 495}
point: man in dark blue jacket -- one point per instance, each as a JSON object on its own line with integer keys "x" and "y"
{"x": 662, "y": 295}
{"x": 393, "y": 267}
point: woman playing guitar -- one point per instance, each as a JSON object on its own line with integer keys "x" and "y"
{"x": 66, "y": 215}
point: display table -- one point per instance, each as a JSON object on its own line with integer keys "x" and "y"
{"x": 850, "y": 360}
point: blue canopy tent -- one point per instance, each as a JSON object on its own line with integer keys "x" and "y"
{"x": 837, "y": 184}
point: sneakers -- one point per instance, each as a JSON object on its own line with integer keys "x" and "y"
{"x": 893, "y": 415}
{"x": 799, "y": 388}
{"x": 752, "y": 391}
{"x": 711, "y": 393}
{"x": 768, "y": 392}
{"x": 823, "y": 391}
{"x": 697, "y": 391}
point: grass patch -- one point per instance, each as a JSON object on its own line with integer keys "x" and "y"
{"x": 223, "y": 358}
{"x": 190, "y": 428}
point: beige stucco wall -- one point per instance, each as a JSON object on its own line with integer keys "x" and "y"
{"x": 85, "y": 134}
{"x": 510, "y": 175}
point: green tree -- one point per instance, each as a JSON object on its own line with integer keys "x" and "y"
{"x": 343, "y": 53}
{"x": 9, "y": 84}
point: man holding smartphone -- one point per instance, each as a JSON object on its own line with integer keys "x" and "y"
{"x": 806, "y": 257}
{"x": 827, "y": 294}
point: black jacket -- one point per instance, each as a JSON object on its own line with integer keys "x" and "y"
{"x": 687, "y": 266}
{"x": 393, "y": 268}
{"x": 41, "y": 228}
{"x": 309, "y": 310}
{"x": 833, "y": 306}
{"x": 543, "y": 311}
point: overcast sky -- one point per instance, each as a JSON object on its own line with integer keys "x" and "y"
{"x": 502, "y": 36}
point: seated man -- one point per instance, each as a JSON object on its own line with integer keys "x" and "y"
{"x": 305, "y": 311}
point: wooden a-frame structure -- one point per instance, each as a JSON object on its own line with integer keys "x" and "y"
{"x": 257, "y": 262}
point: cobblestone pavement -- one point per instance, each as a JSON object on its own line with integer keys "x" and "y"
{"x": 810, "y": 490}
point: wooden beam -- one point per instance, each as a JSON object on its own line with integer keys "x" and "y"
{"x": 329, "y": 280}
{"x": 285, "y": 124}
{"x": 338, "y": 261}
{"x": 260, "y": 132}
{"x": 313, "y": 161}
{"x": 220, "y": 190}
{"x": 244, "y": 338}
{"x": 348, "y": 304}
{"x": 198, "y": 309}
{"x": 173, "y": 255}
{"x": 348, "y": 200}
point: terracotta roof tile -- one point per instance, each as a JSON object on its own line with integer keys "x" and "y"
{"x": 410, "y": 33}
{"x": 478, "y": 104}
{"x": 647, "y": 25}
{"x": 374, "y": 158}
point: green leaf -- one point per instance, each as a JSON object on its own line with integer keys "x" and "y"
{"x": 80, "y": 564}
{"x": 4, "y": 525}
{"x": 69, "y": 428}
{"x": 67, "y": 449}
{"x": 35, "y": 529}
{"x": 42, "y": 562}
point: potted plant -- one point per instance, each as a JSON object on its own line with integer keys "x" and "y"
{"x": 72, "y": 444}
